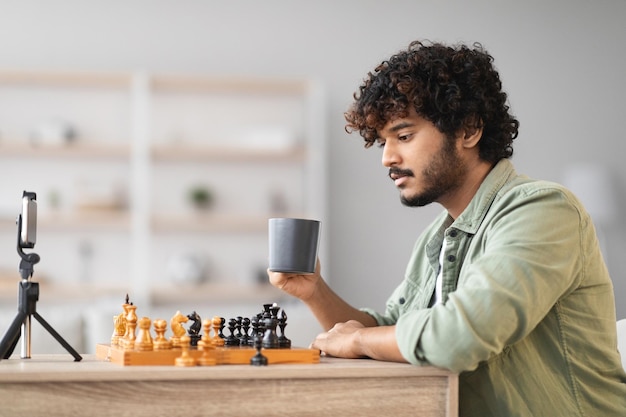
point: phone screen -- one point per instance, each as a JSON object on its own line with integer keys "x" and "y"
{"x": 29, "y": 221}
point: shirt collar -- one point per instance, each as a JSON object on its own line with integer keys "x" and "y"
{"x": 473, "y": 215}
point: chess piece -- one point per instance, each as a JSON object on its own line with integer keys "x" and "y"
{"x": 231, "y": 339}
{"x": 131, "y": 325}
{"x": 270, "y": 338}
{"x": 257, "y": 328}
{"x": 144, "y": 339}
{"x": 238, "y": 324}
{"x": 258, "y": 359}
{"x": 125, "y": 307}
{"x": 194, "y": 329}
{"x": 216, "y": 323}
{"x": 185, "y": 359}
{"x": 160, "y": 342}
{"x": 206, "y": 345}
{"x": 244, "y": 339}
{"x": 119, "y": 329}
{"x": 283, "y": 341}
{"x": 222, "y": 324}
{"x": 178, "y": 331}
{"x": 274, "y": 310}
{"x": 266, "y": 310}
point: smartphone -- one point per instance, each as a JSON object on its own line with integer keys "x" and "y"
{"x": 28, "y": 237}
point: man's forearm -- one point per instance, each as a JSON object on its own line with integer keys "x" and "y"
{"x": 330, "y": 309}
{"x": 379, "y": 343}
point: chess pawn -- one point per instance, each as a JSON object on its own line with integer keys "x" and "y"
{"x": 206, "y": 345}
{"x": 216, "y": 323}
{"x": 131, "y": 325}
{"x": 206, "y": 338}
{"x": 185, "y": 359}
{"x": 238, "y": 325}
{"x": 160, "y": 341}
{"x": 244, "y": 339}
{"x": 258, "y": 359}
{"x": 254, "y": 324}
{"x": 231, "y": 339}
{"x": 222, "y": 325}
{"x": 144, "y": 339}
{"x": 283, "y": 341}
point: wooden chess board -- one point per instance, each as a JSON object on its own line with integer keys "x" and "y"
{"x": 221, "y": 355}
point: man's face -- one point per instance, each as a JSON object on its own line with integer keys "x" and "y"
{"x": 423, "y": 163}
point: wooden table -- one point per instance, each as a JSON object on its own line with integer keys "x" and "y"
{"x": 54, "y": 385}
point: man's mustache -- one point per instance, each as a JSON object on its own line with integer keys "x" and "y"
{"x": 395, "y": 172}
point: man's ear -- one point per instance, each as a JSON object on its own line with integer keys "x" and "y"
{"x": 472, "y": 132}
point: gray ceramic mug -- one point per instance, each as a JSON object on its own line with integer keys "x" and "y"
{"x": 293, "y": 245}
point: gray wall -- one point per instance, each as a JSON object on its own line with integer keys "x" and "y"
{"x": 562, "y": 62}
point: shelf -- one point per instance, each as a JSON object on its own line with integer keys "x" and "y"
{"x": 162, "y": 295}
{"x": 76, "y": 221}
{"x": 65, "y": 79}
{"x": 163, "y": 153}
{"x": 185, "y": 152}
{"x": 209, "y": 222}
{"x": 59, "y": 294}
{"x": 214, "y": 293}
{"x": 203, "y": 84}
{"x": 72, "y": 150}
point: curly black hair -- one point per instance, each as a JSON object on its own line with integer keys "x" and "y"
{"x": 454, "y": 87}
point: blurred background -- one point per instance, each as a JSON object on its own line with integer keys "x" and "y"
{"x": 161, "y": 135}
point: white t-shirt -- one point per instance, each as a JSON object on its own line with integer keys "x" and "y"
{"x": 437, "y": 297}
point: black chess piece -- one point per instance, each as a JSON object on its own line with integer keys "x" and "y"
{"x": 222, "y": 324}
{"x": 194, "y": 329}
{"x": 254, "y": 323}
{"x": 270, "y": 338}
{"x": 274, "y": 310}
{"x": 244, "y": 340}
{"x": 238, "y": 324}
{"x": 231, "y": 340}
{"x": 283, "y": 341}
{"x": 259, "y": 359}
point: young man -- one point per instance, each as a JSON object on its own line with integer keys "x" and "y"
{"x": 507, "y": 287}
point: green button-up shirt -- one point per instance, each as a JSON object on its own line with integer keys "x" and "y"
{"x": 527, "y": 314}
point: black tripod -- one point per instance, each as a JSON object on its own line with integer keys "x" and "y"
{"x": 27, "y": 307}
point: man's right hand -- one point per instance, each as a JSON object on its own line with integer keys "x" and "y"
{"x": 301, "y": 286}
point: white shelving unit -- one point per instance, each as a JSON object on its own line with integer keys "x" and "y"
{"x": 257, "y": 144}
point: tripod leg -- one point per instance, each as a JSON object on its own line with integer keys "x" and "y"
{"x": 58, "y": 337}
{"x": 9, "y": 341}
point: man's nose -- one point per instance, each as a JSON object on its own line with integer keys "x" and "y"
{"x": 390, "y": 155}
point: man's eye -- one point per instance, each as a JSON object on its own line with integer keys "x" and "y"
{"x": 403, "y": 138}
{"x": 380, "y": 144}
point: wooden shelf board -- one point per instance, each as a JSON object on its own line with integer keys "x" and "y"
{"x": 187, "y": 152}
{"x": 80, "y": 220}
{"x": 72, "y": 150}
{"x": 159, "y": 295}
{"x": 228, "y": 85}
{"x": 177, "y": 294}
{"x": 65, "y": 78}
{"x": 209, "y": 222}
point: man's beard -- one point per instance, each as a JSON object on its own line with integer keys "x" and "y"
{"x": 444, "y": 174}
